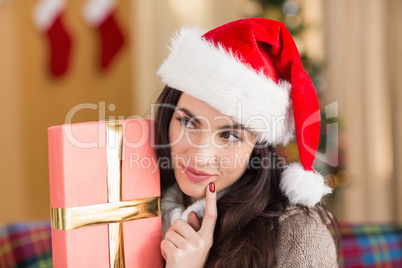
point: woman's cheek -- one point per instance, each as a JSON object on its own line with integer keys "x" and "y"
{"x": 235, "y": 160}
{"x": 179, "y": 144}
{"x": 174, "y": 134}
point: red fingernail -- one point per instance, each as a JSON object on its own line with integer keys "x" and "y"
{"x": 212, "y": 187}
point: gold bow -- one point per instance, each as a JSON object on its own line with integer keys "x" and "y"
{"x": 116, "y": 211}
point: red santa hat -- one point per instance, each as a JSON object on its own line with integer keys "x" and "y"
{"x": 251, "y": 70}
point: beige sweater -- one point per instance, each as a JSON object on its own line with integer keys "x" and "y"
{"x": 304, "y": 241}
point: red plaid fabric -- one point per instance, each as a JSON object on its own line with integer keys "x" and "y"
{"x": 363, "y": 246}
{"x": 371, "y": 245}
{"x": 25, "y": 245}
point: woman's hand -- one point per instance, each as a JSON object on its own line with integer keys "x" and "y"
{"x": 185, "y": 247}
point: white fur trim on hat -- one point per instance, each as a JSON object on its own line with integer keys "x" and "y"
{"x": 303, "y": 187}
{"x": 96, "y": 11}
{"x": 214, "y": 75}
{"x": 46, "y": 12}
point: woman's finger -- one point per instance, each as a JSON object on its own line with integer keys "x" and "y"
{"x": 211, "y": 213}
{"x": 176, "y": 239}
{"x": 167, "y": 249}
{"x": 182, "y": 228}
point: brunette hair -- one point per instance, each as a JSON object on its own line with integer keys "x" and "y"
{"x": 246, "y": 230}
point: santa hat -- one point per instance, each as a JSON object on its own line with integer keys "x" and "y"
{"x": 251, "y": 70}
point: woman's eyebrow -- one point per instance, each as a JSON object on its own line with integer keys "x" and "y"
{"x": 234, "y": 126}
{"x": 190, "y": 114}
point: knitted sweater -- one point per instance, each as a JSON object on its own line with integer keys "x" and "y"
{"x": 304, "y": 240}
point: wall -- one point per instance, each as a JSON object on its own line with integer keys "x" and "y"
{"x": 364, "y": 65}
{"x": 12, "y": 189}
{"x": 33, "y": 100}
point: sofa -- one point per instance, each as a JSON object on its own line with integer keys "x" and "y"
{"x": 28, "y": 244}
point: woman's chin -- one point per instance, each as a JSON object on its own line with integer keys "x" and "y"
{"x": 193, "y": 192}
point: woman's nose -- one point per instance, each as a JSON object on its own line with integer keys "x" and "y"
{"x": 204, "y": 151}
{"x": 198, "y": 139}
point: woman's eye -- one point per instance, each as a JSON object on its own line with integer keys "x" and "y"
{"x": 186, "y": 122}
{"x": 230, "y": 136}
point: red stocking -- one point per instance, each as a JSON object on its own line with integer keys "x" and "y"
{"x": 47, "y": 17}
{"x": 112, "y": 40}
{"x": 60, "y": 44}
{"x": 100, "y": 14}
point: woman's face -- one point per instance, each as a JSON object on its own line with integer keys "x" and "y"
{"x": 207, "y": 146}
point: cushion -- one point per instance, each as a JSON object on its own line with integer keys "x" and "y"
{"x": 25, "y": 244}
{"x": 371, "y": 245}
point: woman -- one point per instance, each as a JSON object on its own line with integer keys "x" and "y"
{"x": 228, "y": 200}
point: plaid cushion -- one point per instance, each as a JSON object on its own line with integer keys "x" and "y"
{"x": 375, "y": 245}
{"x": 25, "y": 245}
{"x": 363, "y": 246}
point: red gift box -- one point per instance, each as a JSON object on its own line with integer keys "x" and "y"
{"x": 104, "y": 195}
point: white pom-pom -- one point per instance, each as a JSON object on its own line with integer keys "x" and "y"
{"x": 303, "y": 187}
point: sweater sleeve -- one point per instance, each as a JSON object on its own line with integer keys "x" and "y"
{"x": 305, "y": 241}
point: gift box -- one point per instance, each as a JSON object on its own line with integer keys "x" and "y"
{"x": 104, "y": 195}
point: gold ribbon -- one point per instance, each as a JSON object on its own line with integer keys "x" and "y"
{"x": 116, "y": 211}
{"x": 77, "y": 217}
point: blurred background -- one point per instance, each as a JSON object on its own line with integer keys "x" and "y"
{"x": 352, "y": 50}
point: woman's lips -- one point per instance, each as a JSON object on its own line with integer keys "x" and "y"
{"x": 196, "y": 175}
